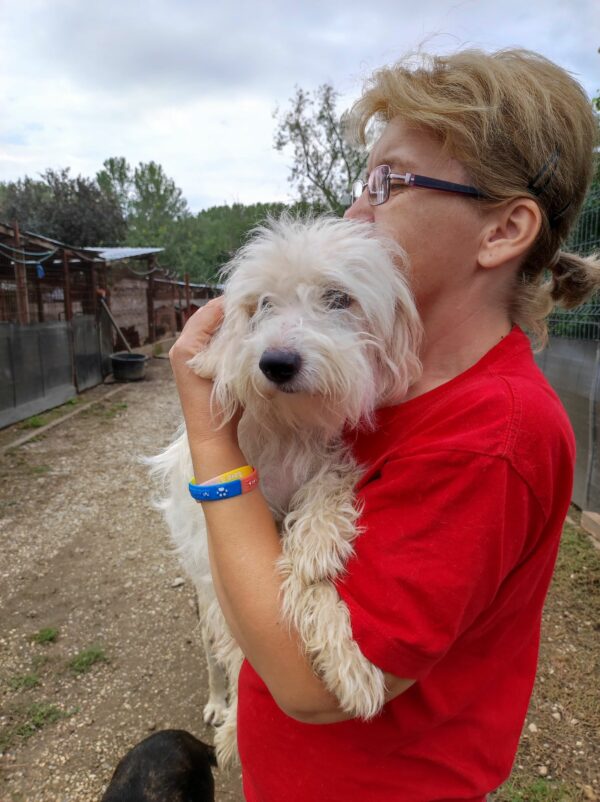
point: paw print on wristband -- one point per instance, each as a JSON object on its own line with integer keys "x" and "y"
{"x": 222, "y": 492}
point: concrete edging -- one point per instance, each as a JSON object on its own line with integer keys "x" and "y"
{"x": 590, "y": 521}
{"x": 22, "y": 440}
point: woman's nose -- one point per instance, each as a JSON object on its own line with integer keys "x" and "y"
{"x": 361, "y": 209}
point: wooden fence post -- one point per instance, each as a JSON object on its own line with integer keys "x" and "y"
{"x": 23, "y": 315}
{"x": 188, "y": 299}
{"x": 150, "y": 304}
{"x": 67, "y": 286}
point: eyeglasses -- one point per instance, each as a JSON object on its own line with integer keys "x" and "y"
{"x": 379, "y": 181}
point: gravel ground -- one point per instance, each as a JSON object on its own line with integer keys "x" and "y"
{"x": 84, "y": 553}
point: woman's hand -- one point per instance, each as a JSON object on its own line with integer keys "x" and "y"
{"x": 194, "y": 391}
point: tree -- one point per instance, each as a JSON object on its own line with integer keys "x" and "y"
{"x": 27, "y": 201}
{"x": 325, "y": 162}
{"x": 149, "y": 200}
{"x": 155, "y": 204}
{"x": 72, "y": 210}
{"x": 116, "y": 180}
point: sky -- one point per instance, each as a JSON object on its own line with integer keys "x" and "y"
{"x": 193, "y": 85}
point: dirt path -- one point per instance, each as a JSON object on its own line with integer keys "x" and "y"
{"x": 83, "y": 553}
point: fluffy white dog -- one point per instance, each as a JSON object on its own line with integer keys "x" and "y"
{"x": 320, "y": 329}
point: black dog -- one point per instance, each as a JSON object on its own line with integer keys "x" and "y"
{"x": 169, "y": 766}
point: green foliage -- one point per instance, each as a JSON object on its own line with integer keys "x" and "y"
{"x": 35, "y": 422}
{"x": 24, "y": 682}
{"x": 115, "y": 181}
{"x": 38, "y": 715}
{"x": 71, "y": 210}
{"x": 47, "y": 635}
{"x": 201, "y": 244}
{"x": 41, "y": 469}
{"x": 536, "y": 791}
{"x": 211, "y": 238}
{"x": 325, "y": 163}
{"x": 147, "y": 209}
{"x": 83, "y": 661}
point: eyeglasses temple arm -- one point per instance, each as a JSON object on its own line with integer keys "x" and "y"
{"x": 445, "y": 186}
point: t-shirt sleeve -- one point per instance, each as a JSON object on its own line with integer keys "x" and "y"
{"x": 439, "y": 533}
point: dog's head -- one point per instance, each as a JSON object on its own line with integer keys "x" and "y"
{"x": 318, "y": 320}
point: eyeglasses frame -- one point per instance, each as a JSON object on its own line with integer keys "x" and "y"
{"x": 413, "y": 180}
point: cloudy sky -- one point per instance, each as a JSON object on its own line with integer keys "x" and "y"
{"x": 193, "y": 84}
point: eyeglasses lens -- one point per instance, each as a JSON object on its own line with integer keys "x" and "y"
{"x": 357, "y": 190}
{"x": 378, "y": 185}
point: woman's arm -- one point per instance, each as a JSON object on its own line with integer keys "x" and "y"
{"x": 244, "y": 546}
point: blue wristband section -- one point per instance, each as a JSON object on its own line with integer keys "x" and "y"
{"x": 216, "y": 492}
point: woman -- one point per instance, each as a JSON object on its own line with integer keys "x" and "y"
{"x": 479, "y": 172}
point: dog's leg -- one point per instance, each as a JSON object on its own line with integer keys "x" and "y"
{"x": 226, "y": 737}
{"x": 215, "y": 710}
{"x": 229, "y": 658}
{"x": 226, "y": 734}
{"x": 317, "y": 541}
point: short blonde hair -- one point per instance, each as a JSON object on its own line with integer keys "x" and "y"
{"x": 521, "y": 126}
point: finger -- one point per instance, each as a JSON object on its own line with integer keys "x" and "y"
{"x": 207, "y": 318}
{"x": 213, "y": 315}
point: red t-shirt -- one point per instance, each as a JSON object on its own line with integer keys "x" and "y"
{"x": 465, "y": 494}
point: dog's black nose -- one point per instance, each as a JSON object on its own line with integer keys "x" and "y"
{"x": 280, "y": 366}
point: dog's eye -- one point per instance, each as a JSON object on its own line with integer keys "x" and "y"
{"x": 336, "y": 299}
{"x": 265, "y": 303}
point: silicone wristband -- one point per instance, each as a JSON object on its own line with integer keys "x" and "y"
{"x": 236, "y": 473}
{"x": 207, "y": 491}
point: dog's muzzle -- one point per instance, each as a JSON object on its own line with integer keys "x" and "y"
{"x": 280, "y": 366}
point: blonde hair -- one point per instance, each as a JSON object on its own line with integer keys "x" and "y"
{"x": 521, "y": 126}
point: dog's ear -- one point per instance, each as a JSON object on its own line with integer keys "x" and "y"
{"x": 213, "y": 360}
{"x": 399, "y": 364}
{"x": 205, "y": 362}
{"x": 219, "y": 361}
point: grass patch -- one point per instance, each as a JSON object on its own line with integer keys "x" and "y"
{"x": 38, "y": 716}
{"x": 35, "y": 422}
{"x": 578, "y": 565}
{"x": 23, "y": 682}
{"x": 40, "y": 469}
{"x": 83, "y": 661}
{"x": 104, "y": 410}
{"x": 536, "y": 791}
{"x": 114, "y": 410}
{"x": 8, "y": 503}
{"x": 47, "y": 635}
{"x": 38, "y": 661}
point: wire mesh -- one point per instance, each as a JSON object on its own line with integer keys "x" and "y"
{"x": 43, "y": 297}
{"x": 582, "y": 323}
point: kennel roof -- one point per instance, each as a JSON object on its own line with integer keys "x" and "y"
{"x": 114, "y": 254}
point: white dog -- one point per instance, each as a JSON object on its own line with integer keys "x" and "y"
{"x": 319, "y": 331}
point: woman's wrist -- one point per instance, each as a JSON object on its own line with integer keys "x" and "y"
{"x": 215, "y": 456}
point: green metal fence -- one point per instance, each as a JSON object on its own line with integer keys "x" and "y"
{"x": 582, "y": 323}
{"x": 571, "y": 363}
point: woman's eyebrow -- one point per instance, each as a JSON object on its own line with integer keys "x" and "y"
{"x": 397, "y": 165}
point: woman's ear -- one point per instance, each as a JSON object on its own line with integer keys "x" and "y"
{"x": 509, "y": 232}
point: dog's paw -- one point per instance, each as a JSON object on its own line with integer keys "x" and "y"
{"x": 214, "y": 712}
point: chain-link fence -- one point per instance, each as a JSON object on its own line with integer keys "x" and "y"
{"x": 582, "y": 323}
{"x": 571, "y": 363}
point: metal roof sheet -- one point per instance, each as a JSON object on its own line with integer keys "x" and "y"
{"x": 113, "y": 254}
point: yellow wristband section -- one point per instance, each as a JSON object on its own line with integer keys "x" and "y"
{"x": 228, "y": 476}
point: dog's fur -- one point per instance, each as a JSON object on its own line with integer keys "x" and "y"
{"x": 169, "y": 766}
{"x": 335, "y": 295}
